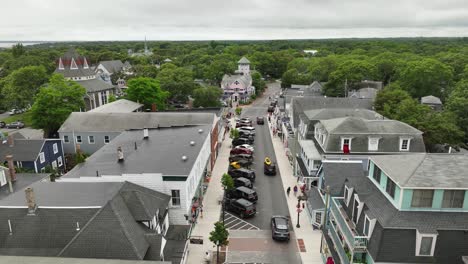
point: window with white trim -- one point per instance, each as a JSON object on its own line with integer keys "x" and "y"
{"x": 175, "y": 194}
{"x": 346, "y": 141}
{"x": 78, "y": 139}
{"x": 346, "y": 194}
{"x": 66, "y": 139}
{"x": 42, "y": 157}
{"x": 405, "y": 144}
{"x": 377, "y": 173}
{"x": 356, "y": 209}
{"x": 453, "y": 199}
{"x": 106, "y": 139}
{"x": 366, "y": 229}
{"x": 60, "y": 161}
{"x": 91, "y": 139}
{"x": 318, "y": 217}
{"x": 373, "y": 143}
{"x": 422, "y": 198}
{"x": 55, "y": 148}
{"x": 425, "y": 244}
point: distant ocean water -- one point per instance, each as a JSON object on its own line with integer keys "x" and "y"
{"x": 9, "y": 44}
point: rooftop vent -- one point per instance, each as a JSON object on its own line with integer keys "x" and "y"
{"x": 184, "y": 158}
{"x": 30, "y": 201}
{"x": 192, "y": 143}
{"x": 200, "y": 130}
{"x": 77, "y": 226}
{"x": 145, "y": 133}
{"x": 120, "y": 154}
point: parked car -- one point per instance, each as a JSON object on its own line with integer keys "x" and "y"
{"x": 237, "y": 150}
{"x": 2, "y": 124}
{"x": 242, "y": 124}
{"x": 241, "y": 207}
{"x": 241, "y": 181}
{"x": 246, "y": 146}
{"x": 279, "y": 228}
{"x": 243, "y": 192}
{"x": 239, "y": 164}
{"x": 260, "y": 120}
{"x": 246, "y": 119}
{"x": 240, "y": 141}
{"x": 15, "y": 111}
{"x": 248, "y": 129}
{"x": 242, "y": 172}
{"x": 17, "y": 124}
{"x": 249, "y": 138}
{"x": 238, "y": 157}
{"x": 246, "y": 133}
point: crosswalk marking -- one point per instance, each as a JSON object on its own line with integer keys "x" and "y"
{"x": 233, "y": 222}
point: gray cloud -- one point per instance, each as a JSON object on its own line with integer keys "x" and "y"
{"x": 215, "y": 19}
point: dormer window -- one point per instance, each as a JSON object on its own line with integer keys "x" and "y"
{"x": 405, "y": 144}
{"x": 73, "y": 65}
{"x": 346, "y": 144}
{"x": 422, "y": 198}
{"x": 373, "y": 143}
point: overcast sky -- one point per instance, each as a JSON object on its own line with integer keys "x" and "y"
{"x": 227, "y": 19}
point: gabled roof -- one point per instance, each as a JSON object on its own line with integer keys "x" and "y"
{"x": 118, "y": 122}
{"x": 364, "y": 93}
{"x": 95, "y": 85}
{"x": 22, "y": 149}
{"x": 335, "y": 173}
{"x": 330, "y": 113}
{"x": 243, "y": 60}
{"x": 431, "y": 100}
{"x": 119, "y": 106}
{"x": 428, "y": 170}
{"x": 112, "y": 66}
{"x": 161, "y": 153}
{"x": 355, "y": 125}
{"x": 228, "y": 79}
{"x": 80, "y": 61}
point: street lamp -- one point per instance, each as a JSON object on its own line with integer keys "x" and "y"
{"x": 299, "y": 199}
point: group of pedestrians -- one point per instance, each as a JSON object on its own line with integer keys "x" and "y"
{"x": 295, "y": 189}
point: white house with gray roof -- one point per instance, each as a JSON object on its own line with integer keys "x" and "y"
{"x": 238, "y": 86}
{"x": 433, "y": 102}
{"x": 171, "y": 160}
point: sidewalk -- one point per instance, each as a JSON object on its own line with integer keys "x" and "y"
{"x": 311, "y": 238}
{"x": 211, "y": 206}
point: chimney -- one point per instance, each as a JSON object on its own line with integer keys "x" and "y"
{"x": 31, "y": 201}
{"x": 11, "y": 167}
{"x": 145, "y": 133}
{"x": 120, "y": 154}
{"x": 11, "y": 141}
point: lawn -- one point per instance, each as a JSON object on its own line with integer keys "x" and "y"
{"x": 24, "y": 117}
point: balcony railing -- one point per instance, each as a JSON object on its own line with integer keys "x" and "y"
{"x": 339, "y": 248}
{"x": 355, "y": 241}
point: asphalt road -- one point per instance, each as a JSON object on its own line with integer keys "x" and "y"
{"x": 271, "y": 199}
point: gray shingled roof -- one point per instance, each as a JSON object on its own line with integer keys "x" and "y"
{"x": 71, "y": 194}
{"x": 22, "y": 149}
{"x": 95, "y": 85}
{"x": 355, "y": 125}
{"x": 335, "y": 173}
{"x": 112, "y": 66}
{"x": 80, "y": 71}
{"x": 243, "y": 60}
{"x": 364, "y": 93}
{"x": 314, "y": 200}
{"x": 161, "y": 153}
{"x": 431, "y": 100}
{"x": 329, "y": 113}
{"x": 428, "y": 170}
{"x": 246, "y": 80}
{"x": 119, "y": 106}
{"x": 376, "y": 205}
{"x": 118, "y": 122}
{"x": 301, "y": 104}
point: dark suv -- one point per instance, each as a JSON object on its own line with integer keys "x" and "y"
{"x": 243, "y": 192}
{"x": 249, "y": 138}
{"x": 237, "y": 157}
{"x": 279, "y": 228}
{"x": 260, "y": 120}
{"x": 245, "y": 173}
{"x": 240, "y": 141}
{"x": 241, "y": 181}
{"x": 241, "y": 207}
{"x": 2, "y": 124}
{"x": 269, "y": 169}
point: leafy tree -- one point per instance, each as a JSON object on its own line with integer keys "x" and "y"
{"x": 147, "y": 91}
{"x": 234, "y": 133}
{"x": 177, "y": 81}
{"x": 238, "y": 111}
{"x": 426, "y": 77}
{"x": 149, "y": 71}
{"x": 227, "y": 182}
{"x": 258, "y": 82}
{"x": 387, "y": 65}
{"x": 219, "y": 236}
{"x": 207, "y": 96}
{"x": 112, "y": 98}
{"x": 17, "y": 50}
{"x": 55, "y": 102}
{"x": 351, "y": 72}
{"x": 458, "y": 104}
{"x": 22, "y": 85}
{"x": 218, "y": 66}
{"x": 387, "y": 100}
{"x": 321, "y": 68}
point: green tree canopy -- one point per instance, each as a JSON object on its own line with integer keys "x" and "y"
{"x": 22, "y": 85}
{"x": 17, "y": 50}
{"x": 227, "y": 182}
{"x": 207, "y": 96}
{"x": 147, "y": 91}
{"x": 258, "y": 82}
{"x": 219, "y": 236}
{"x": 458, "y": 104}
{"x": 352, "y": 72}
{"x": 55, "y": 102}
{"x": 387, "y": 100}
{"x": 426, "y": 77}
{"x": 177, "y": 81}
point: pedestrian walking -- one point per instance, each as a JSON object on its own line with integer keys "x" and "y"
{"x": 295, "y": 190}
{"x": 288, "y": 190}
{"x": 201, "y": 211}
